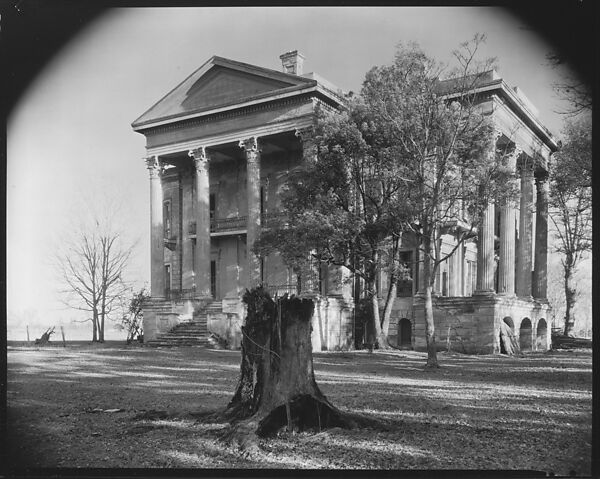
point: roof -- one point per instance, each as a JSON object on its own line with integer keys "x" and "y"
{"x": 221, "y": 83}
{"x": 490, "y": 81}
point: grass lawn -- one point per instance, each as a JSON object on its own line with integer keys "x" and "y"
{"x": 476, "y": 412}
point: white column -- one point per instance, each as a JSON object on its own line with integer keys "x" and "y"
{"x": 202, "y": 215}
{"x": 157, "y": 259}
{"x": 252, "y": 150}
{"x": 508, "y": 218}
{"x": 524, "y": 260}
{"x": 540, "y": 279}
{"x": 485, "y": 252}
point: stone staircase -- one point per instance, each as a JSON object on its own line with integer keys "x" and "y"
{"x": 188, "y": 333}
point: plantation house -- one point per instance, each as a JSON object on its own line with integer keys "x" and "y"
{"x": 219, "y": 149}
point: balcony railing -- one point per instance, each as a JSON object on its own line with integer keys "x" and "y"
{"x": 236, "y": 223}
{"x": 281, "y": 289}
{"x": 179, "y": 294}
{"x": 218, "y": 225}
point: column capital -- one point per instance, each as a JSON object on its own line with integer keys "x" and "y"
{"x": 514, "y": 155}
{"x": 200, "y": 158}
{"x": 305, "y": 133}
{"x": 250, "y": 145}
{"x": 496, "y": 134}
{"x": 154, "y": 165}
{"x": 525, "y": 166}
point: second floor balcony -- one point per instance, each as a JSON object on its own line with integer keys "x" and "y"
{"x": 234, "y": 224}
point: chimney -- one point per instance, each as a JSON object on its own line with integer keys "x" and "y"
{"x": 292, "y": 62}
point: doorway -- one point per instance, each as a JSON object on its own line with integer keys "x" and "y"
{"x": 405, "y": 333}
{"x": 213, "y": 279}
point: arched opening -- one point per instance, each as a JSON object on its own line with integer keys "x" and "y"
{"x": 404, "y": 333}
{"x": 525, "y": 335}
{"x": 508, "y": 341}
{"x": 541, "y": 341}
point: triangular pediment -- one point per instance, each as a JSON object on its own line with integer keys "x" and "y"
{"x": 219, "y": 83}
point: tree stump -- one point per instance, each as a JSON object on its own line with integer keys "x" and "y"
{"x": 277, "y": 387}
{"x": 45, "y": 339}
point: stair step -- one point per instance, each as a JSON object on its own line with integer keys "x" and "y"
{"x": 188, "y": 333}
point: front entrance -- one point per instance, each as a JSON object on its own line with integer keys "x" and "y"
{"x": 405, "y": 333}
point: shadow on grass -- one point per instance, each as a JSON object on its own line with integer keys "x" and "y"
{"x": 476, "y": 411}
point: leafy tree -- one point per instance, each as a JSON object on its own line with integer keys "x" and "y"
{"x": 571, "y": 205}
{"x": 91, "y": 268}
{"x": 412, "y": 153}
{"x": 132, "y": 319}
{"x": 445, "y": 141}
{"x": 344, "y": 208}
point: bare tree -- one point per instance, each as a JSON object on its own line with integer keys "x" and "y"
{"x": 571, "y": 205}
{"x": 91, "y": 267}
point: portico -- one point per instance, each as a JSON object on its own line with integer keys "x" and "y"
{"x": 511, "y": 279}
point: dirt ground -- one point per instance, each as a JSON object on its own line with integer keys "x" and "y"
{"x": 79, "y": 407}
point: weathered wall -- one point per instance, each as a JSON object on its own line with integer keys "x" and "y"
{"x": 472, "y": 325}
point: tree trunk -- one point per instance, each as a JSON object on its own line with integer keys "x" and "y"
{"x": 277, "y": 386}
{"x": 570, "y": 298}
{"x": 375, "y": 334}
{"x": 94, "y": 326}
{"x": 432, "y": 361}
{"x": 383, "y": 339}
{"x": 101, "y": 327}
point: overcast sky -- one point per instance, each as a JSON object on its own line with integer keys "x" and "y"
{"x": 70, "y": 134}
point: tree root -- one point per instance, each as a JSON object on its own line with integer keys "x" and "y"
{"x": 303, "y": 413}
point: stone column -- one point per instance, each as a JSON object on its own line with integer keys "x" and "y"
{"x": 508, "y": 218}
{"x": 157, "y": 258}
{"x": 506, "y": 265}
{"x": 540, "y": 276}
{"x": 250, "y": 146}
{"x": 485, "y": 252}
{"x": 202, "y": 215}
{"x": 523, "y": 278}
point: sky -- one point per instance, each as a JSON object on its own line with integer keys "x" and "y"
{"x": 69, "y": 138}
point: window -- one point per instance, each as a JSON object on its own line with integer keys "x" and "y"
{"x": 471, "y": 278}
{"x": 167, "y": 218}
{"x": 212, "y": 205}
{"x": 445, "y": 283}
{"x": 167, "y": 280}
{"x": 262, "y": 200}
{"x": 405, "y": 283}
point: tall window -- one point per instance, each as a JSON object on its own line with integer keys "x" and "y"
{"x": 212, "y": 205}
{"x": 444, "y": 283}
{"x": 167, "y": 218}
{"x": 167, "y": 279}
{"x": 405, "y": 283}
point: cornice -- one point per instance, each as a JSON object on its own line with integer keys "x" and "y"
{"x": 232, "y": 136}
{"x": 506, "y": 93}
{"x": 224, "y": 115}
